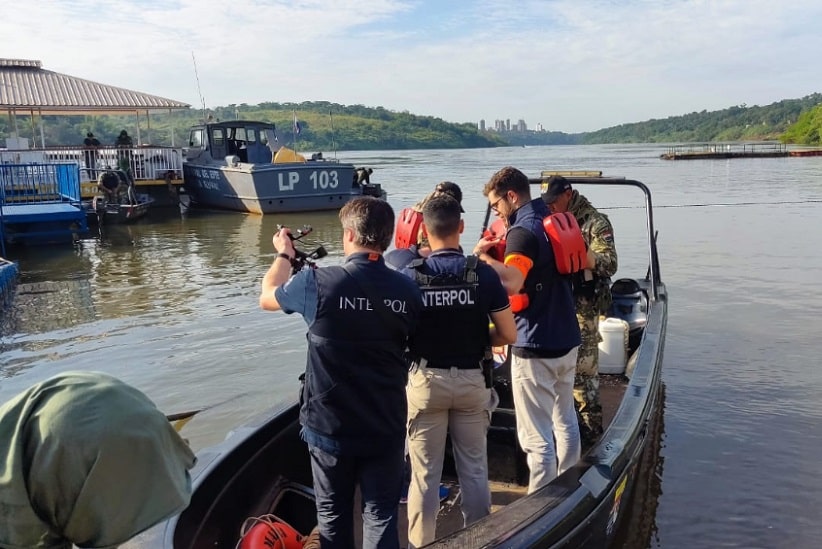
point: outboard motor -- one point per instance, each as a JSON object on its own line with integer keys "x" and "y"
{"x": 630, "y": 303}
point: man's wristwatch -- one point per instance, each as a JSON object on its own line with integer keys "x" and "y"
{"x": 285, "y": 256}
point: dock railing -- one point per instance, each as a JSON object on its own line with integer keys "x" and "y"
{"x": 145, "y": 163}
{"x": 725, "y": 150}
{"x": 39, "y": 183}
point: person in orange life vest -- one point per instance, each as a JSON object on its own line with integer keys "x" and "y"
{"x": 448, "y": 188}
{"x": 592, "y": 293}
{"x": 544, "y": 355}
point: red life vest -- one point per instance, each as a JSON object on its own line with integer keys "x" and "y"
{"x": 408, "y": 228}
{"x": 497, "y": 229}
{"x": 570, "y": 251}
{"x": 564, "y": 233}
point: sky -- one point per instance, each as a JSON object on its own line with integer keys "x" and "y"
{"x": 569, "y": 65}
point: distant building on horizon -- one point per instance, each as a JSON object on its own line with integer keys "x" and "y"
{"x": 501, "y": 125}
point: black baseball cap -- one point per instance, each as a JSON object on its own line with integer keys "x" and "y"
{"x": 555, "y": 186}
{"x": 451, "y": 189}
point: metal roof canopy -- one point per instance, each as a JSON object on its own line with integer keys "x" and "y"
{"x": 25, "y": 86}
{"x": 27, "y": 89}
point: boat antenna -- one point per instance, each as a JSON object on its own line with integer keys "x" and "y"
{"x": 295, "y": 129}
{"x": 199, "y": 90}
{"x": 333, "y": 144}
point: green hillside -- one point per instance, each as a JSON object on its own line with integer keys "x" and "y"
{"x": 324, "y": 126}
{"x": 807, "y": 130}
{"x": 740, "y": 123}
{"x": 329, "y": 126}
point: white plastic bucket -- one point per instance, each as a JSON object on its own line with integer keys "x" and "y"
{"x": 613, "y": 349}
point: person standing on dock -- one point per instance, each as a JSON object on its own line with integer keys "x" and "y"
{"x": 544, "y": 355}
{"x": 124, "y": 145}
{"x": 448, "y": 391}
{"x": 90, "y": 143}
{"x": 353, "y": 405}
{"x": 592, "y": 293}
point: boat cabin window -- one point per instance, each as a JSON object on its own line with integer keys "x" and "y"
{"x": 218, "y": 137}
{"x": 239, "y": 134}
{"x": 236, "y": 143}
{"x": 195, "y": 138}
{"x": 217, "y": 144}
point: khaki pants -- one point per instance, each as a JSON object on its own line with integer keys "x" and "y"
{"x": 543, "y": 391}
{"x": 442, "y": 401}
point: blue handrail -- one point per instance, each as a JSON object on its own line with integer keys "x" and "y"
{"x": 39, "y": 183}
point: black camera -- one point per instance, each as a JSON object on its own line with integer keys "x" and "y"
{"x": 303, "y": 259}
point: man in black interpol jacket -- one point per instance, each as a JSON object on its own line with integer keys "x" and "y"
{"x": 353, "y": 406}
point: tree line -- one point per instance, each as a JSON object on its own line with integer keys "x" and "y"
{"x": 326, "y": 126}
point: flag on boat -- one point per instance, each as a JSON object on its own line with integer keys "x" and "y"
{"x": 296, "y": 125}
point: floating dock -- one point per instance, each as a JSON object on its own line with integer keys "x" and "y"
{"x": 41, "y": 203}
{"x": 712, "y": 151}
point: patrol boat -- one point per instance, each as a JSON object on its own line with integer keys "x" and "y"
{"x": 263, "y": 468}
{"x": 240, "y": 166}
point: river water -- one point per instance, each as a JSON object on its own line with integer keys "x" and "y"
{"x": 170, "y": 305}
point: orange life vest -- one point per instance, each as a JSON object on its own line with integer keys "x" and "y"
{"x": 408, "y": 228}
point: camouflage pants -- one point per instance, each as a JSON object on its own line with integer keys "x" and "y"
{"x": 586, "y": 380}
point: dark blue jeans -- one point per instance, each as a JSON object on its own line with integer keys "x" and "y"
{"x": 335, "y": 479}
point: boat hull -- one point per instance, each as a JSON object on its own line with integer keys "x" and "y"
{"x": 272, "y": 188}
{"x": 111, "y": 214}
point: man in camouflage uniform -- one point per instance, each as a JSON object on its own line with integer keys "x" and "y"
{"x": 446, "y": 187}
{"x": 592, "y": 294}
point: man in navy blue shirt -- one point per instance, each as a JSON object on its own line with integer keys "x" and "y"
{"x": 353, "y": 406}
{"x": 544, "y": 356}
{"x": 446, "y": 388}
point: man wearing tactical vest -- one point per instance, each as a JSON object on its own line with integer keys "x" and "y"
{"x": 352, "y": 405}
{"x": 592, "y": 293}
{"x": 545, "y": 352}
{"x": 447, "y": 391}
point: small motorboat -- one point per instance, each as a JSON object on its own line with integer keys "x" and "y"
{"x": 103, "y": 212}
{"x": 263, "y": 468}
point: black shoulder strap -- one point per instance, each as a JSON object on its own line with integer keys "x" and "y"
{"x": 470, "y": 272}
{"x": 419, "y": 277}
{"x": 391, "y": 320}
